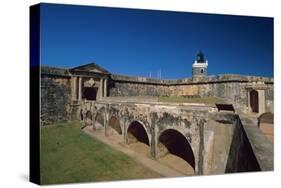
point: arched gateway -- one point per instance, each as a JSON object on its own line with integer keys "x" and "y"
{"x": 254, "y": 101}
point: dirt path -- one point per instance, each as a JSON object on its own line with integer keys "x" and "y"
{"x": 129, "y": 150}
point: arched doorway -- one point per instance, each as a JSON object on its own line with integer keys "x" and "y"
{"x": 90, "y": 93}
{"x": 137, "y": 138}
{"x": 266, "y": 125}
{"x": 88, "y": 115}
{"x": 113, "y": 127}
{"x": 178, "y": 154}
{"x": 254, "y": 101}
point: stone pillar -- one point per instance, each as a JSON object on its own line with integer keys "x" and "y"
{"x": 249, "y": 98}
{"x": 105, "y": 88}
{"x": 80, "y": 89}
{"x": 153, "y": 144}
{"x": 101, "y": 87}
{"x": 123, "y": 127}
{"x": 261, "y": 101}
{"x": 99, "y": 93}
{"x": 106, "y": 120}
{"x": 74, "y": 90}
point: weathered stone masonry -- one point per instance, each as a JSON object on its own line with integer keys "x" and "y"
{"x": 234, "y": 88}
{"x": 190, "y": 121}
{"x": 80, "y": 93}
{"x": 155, "y": 119}
{"x": 55, "y": 95}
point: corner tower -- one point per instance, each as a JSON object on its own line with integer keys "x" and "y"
{"x": 200, "y": 66}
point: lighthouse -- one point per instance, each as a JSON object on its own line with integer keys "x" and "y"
{"x": 200, "y": 66}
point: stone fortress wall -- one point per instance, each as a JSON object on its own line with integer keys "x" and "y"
{"x": 230, "y": 87}
{"x": 62, "y": 100}
{"x": 55, "y": 95}
{"x": 56, "y": 90}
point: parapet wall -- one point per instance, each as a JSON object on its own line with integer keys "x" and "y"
{"x": 197, "y": 80}
{"x": 230, "y": 87}
{"x": 246, "y": 149}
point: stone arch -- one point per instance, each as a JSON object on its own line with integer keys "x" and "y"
{"x": 81, "y": 115}
{"x": 89, "y": 115}
{"x": 266, "y": 117}
{"x": 177, "y": 144}
{"x": 266, "y": 125}
{"x": 254, "y": 101}
{"x": 137, "y": 132}
{"x": 88, "y": 118}
{"x": 113, "y": 126}
{"x": 99, "y": 117}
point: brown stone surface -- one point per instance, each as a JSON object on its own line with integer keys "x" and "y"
{"x": 268, "y": 130}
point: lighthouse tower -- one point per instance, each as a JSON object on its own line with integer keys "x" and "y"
{"x": 200, "y": 66}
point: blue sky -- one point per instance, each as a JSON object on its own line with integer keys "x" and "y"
{"x": 141, "y": 42}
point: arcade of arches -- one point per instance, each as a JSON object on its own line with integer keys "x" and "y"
{"x": 173, "y": 148}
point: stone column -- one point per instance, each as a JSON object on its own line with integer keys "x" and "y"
{"x": 106, "y": 120}
{"x": 153, "y": 144}
{"x": 249, "y": 98}
{"x": 74, "y": 90}
{"x": 101, "y": 87}
{"x": 125, "y": 121}
{"x": 105, "y": 88}
{"x": 261, "y": 101}
{"x": 80, "y": 89}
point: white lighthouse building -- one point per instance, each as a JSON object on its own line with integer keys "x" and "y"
{"x": 200, "y": 66}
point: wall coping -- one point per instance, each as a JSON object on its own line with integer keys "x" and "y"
{"x": 261, "y": 146}
{"x": 54, "y": 71}
{"x": 221, "y": 78}
{"x": 186, "y": 106}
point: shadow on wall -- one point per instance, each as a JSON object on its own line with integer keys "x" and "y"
{"x": 100, "y": 116}
{"x": 113, "y": 127}
{"x": 136, "y": 132}
{"x": 178, "y": 145}
{"x": 241, "y": 157}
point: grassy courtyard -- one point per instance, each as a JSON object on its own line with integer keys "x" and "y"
{"x": 68, "y": 155}
{"x": 181, "y": 99}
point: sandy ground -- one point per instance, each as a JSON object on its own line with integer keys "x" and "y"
{"x": 177, "y": 163}
{"x": 141, "y": 148}
{"x": 170, "y": 160}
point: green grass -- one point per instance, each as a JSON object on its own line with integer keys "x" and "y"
{"x": 68, "y": 155}
{"x": 179, "y": 99}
